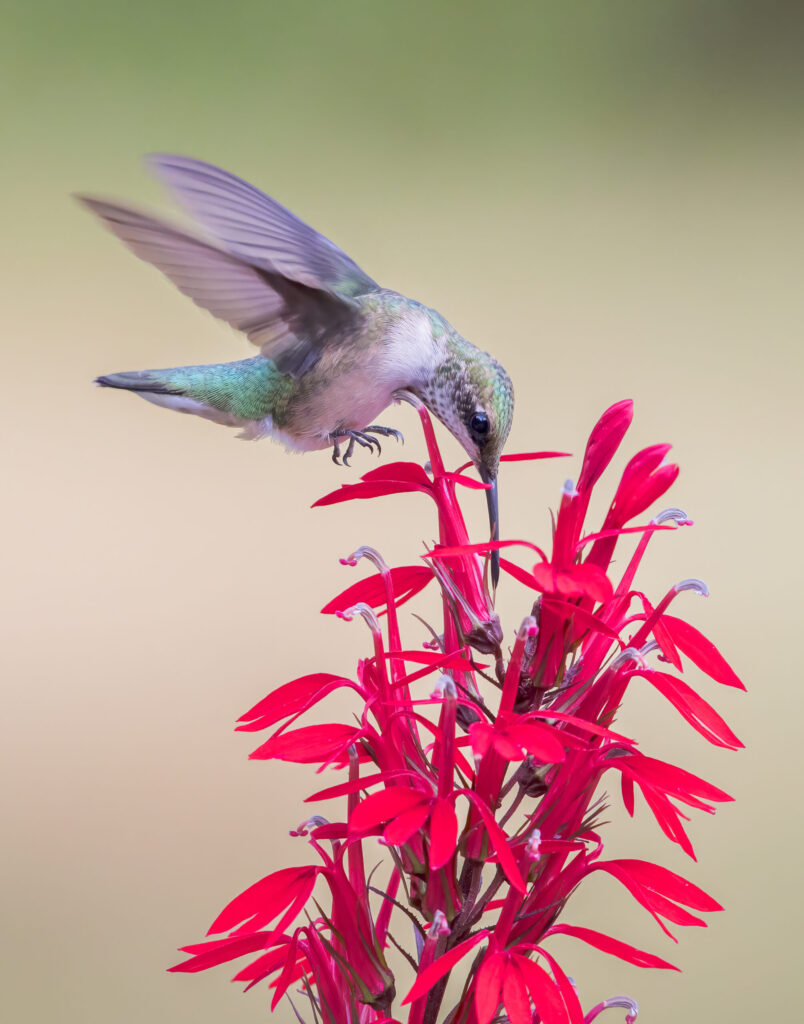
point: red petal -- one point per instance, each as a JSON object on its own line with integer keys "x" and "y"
{"x": 644, "y": 480}
{"x": 545, "y": 577}
{"x": 668, "y": 883}
{"x": 220, "y": 951}
{"x": 615, "y": 947}
{"x": 506, "y": 747}
{"x": 351, "y": 492}
{"x": 430, "y": 975}
{"x": 401, "y": 828}
{"x": 332, "y": 830}
{"x": 309, "y": 744}
{"x": 268, "y": 898}
{"x": 577, "y": 581}
{"x": 650, "y": 491}
{"x": 627, "y": 785}
{"x": 701, "y": 716}
{"x": 499, "y": 842}
{"x": 539, "y": 740}
{"x": 604, "y": 441}
{"x": 466, "y": 481}
{"x": 406, "y": 581}
{"x": 579, "y": 723}
{"x": 641, "y": 465}
{"x": 523, "y": 575}
{"x": 530, "y": 456}
{"x": 405, "y": 472}
{"x": 515, "y": 994}
{"x": 641, "y": 895}
{"x": 291, "y": 697}
{"x": 382, "y": 807}
{"x": 434, "y": 659}
{"x": 263, "y": 965}
{"x": 546, "y": 997}
{"x": 591, "y": 581}
{"x": 665, "y": 642}
{"x": 488, "y": 987}
{"x": 481, "y": 736}
{"x": 585, "y": 620}
{"x": 620, "y": 532}
{"x": 566, "y": 988}
{"x": 285, "y": 979}
{"x": 668, "y": 817}
{"x": 443, "y": 832}
{"x": 355, "y": 785}
{"x": 675, "y": 781}
{"x": 701, "y": 652}
{"x": 481, "y": 549}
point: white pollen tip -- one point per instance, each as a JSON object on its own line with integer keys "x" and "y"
{"x": 673, "y": 515}
{"x": 444, "y": 687}
{"x": 695, "y": 585}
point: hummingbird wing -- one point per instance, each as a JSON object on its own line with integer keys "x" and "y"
{"x": 257, "y": 228}
{"x": 291, "y": 321}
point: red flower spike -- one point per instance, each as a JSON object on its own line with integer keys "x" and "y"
{"x": 539, "y": 716}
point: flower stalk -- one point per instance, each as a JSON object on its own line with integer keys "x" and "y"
{"x": 474, "y": 767}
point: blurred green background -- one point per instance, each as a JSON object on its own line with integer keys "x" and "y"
{"x": 608, "y": 197}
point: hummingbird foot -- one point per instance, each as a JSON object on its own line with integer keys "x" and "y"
{"x": 385, "y": 432}
{"x": 363, "y": 438}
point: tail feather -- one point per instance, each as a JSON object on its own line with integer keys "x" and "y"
{"x": 138, "y": 380}
{"x": 239, "y": 394}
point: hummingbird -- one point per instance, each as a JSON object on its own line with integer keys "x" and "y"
{"x": 335, "y": 347}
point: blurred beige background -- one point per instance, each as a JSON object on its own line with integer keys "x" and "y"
{"x": 611, "y": 202}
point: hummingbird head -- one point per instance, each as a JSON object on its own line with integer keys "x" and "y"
{"x": 473, "y": 397}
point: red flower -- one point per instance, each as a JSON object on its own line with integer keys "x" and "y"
{"x": 485, "y": 795}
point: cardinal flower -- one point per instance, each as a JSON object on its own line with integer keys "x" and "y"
{"x": 474, "y": 760}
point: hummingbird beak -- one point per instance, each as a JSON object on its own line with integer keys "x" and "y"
{"x": 494, "y": 519}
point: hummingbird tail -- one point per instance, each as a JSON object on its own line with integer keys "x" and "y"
{"x": 243, "y": 394}
{"x": 139, "y": 380}
{"x": 154, "y": 388}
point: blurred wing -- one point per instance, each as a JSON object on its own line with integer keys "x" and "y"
{"x": 257, "y": 228}
{"x": 290, "y": 321}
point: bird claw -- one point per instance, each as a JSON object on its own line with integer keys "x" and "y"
{"x": 386, "y": 432}
{"x": 360, "y": 437}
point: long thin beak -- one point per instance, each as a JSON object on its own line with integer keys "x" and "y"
{"x": 492, "y": 500}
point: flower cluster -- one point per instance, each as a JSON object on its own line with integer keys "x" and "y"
{"x": 478, "y": 768}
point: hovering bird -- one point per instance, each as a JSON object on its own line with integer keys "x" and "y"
{"x": 336, "y": 348}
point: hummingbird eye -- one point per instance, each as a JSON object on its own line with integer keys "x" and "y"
{"x": 479, "y": 425}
